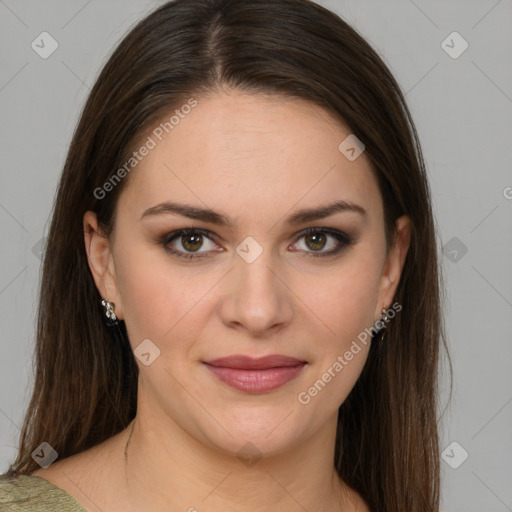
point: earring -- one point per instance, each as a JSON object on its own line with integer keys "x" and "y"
{"x": 384, "y": 318}
{"x": 110, "y": 314}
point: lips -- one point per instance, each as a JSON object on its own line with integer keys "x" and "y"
{"x": 255, "y": 375}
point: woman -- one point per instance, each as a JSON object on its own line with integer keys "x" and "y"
{"x": 240, "y": 301}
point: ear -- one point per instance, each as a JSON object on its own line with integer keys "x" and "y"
{"x": 101, "y": 262}
{"x": 394, "y": 264}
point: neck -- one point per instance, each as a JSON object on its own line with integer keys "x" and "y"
{"x": 167, "y": 469}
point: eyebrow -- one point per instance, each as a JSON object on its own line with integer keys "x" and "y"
{"x": 213, "y": 217}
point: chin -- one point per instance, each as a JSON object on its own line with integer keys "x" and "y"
{"x": 265, "y": 431}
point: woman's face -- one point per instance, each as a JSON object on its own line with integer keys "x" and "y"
{"x": 248, "y": 279}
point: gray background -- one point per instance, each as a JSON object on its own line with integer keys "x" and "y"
{"x": 462, "y": 108}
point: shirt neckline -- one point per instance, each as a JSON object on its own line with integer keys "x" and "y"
{"x": 71, "y": 500}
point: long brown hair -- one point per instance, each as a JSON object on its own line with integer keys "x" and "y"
{"x": 85, "y": 387}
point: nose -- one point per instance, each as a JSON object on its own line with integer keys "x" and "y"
{"x": 257, "y": 299}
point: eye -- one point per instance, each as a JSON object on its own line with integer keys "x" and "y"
{"x": 190, "y": 240}
{"x": 316, "y": 239}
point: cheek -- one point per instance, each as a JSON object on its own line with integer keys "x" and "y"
{"x": 346, "y": 307}
{"x": 161, "y": 301}
{"x": 346, "y": 301}
{"x": 151, "y": 295}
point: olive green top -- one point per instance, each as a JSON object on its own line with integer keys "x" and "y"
{"x": 28, "y": 493}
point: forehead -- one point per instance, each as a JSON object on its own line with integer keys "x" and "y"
{"x": 248, "y": 153}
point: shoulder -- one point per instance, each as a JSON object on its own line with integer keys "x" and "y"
{"x": 28, "y": 493}
{"x": 90, "y": 477}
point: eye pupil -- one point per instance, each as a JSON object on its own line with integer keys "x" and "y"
{"x": 195, "y": 245}
{"x": 315, "y": 237}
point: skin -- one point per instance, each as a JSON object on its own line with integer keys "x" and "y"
{"x": 256, "y": 160}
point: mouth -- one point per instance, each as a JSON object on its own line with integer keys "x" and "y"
{"x": 255, "y": 375}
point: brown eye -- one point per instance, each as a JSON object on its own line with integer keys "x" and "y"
{"x": 316, "y": 241}
{"x": 186, "y": 242}
{"x": 192, "y": 241}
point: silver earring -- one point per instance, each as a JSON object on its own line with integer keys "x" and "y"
{"x": 384, "y": 318}
{"x": 110, "y": 314}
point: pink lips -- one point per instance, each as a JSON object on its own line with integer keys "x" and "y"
{"x": 255, "y": 375}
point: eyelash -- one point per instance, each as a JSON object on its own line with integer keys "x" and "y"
{"x": 344, "y": 241}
